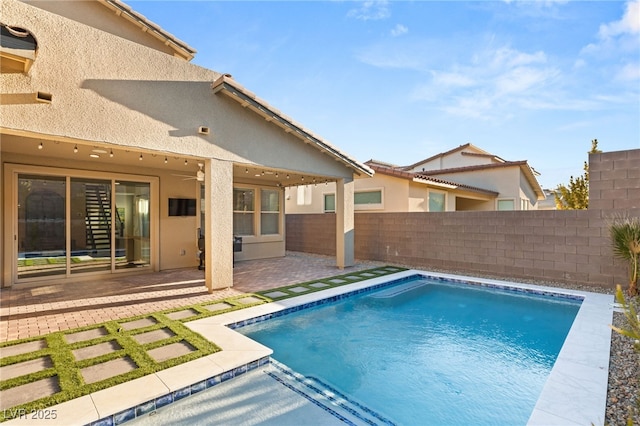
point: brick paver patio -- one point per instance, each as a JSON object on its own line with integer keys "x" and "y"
{"x": 30, "y": 310}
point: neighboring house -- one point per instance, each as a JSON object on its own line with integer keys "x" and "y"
{"x": 464, "y": 178}
{"x": 115, "y": 150}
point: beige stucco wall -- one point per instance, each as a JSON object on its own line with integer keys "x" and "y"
{"x": 399, "y": 195}
{"x": 110, "y": 91}
{"x": 96, "y": 15}
{"x": 453, "y": 160}
{"x": 507, "y": 181}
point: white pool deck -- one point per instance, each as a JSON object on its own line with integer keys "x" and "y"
{"x": 574, "y": 394}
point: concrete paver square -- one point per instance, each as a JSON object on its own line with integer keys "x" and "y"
{"x": 153, "y": 336}
{"x": 23, "y": 348}
{"x": 20, "y": 369}
{"x": 319, "y": 285}
{"x": 174, "y": 350}
{"x": 141, "y": 323}
{"x": 96, "y": 350}
{"x": 353, "y": 278}
{"x": 276, "y": 294}
{"x": 249, "y": 300}
{"x": 29, "y": 392}
{"x": 298, "y": 289}
{"x": 81, "y": 336}
{"x": 182, "y": 314}
{"x": 108, "y": 369}
{"x": 217, "y": 306}
{"x": 338, "y": 281}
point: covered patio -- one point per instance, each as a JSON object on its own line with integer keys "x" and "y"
{"x": 27, "y": 311}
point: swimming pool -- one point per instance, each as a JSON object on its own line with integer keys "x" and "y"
{"x": 574, "y": 393}
{"x": 431, "y": 349}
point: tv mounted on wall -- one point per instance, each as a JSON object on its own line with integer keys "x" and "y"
{"x": 182, "y": 206}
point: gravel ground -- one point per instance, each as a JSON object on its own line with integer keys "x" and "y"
{"x": 624, "y": 375}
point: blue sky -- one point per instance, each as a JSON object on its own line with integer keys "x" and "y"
{"x": 400, "y": 81}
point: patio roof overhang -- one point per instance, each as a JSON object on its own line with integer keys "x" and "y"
{"x": 226, "y": 85}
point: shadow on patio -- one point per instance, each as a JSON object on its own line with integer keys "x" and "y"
{"x": 37, "y": 310}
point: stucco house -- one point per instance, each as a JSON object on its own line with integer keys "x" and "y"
{"x": 461, "y": 179}
{"x": 116, "y": 151}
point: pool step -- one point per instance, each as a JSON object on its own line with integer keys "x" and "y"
{"x": 338, "y": 404}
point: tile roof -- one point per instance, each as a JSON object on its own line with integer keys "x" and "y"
{"x": 444, "y": 154}
{"x": 420, "y": 177}
{"x": 529, "y": 172}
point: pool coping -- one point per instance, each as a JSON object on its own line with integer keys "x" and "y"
{"x": 574, "y": 393}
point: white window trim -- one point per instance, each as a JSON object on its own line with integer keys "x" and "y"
{"x": 505, "y": 199}
{"x": 379, "y": 206}
{"x": 435, "y": 191}
{"x": 280, "y": 214}
{"x": 324, "y": 207}
{"x": 257, "y": 237}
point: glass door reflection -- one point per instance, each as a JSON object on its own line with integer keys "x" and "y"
{"x": 41, "y": 226}
{"x": 91, "y": 221}
{"x": 132, "y": 225}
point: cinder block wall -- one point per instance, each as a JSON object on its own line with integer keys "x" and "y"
{"x": 614, "y": 180}
{"x": 557, "y": 246}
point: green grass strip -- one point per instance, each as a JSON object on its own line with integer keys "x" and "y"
{"x": 68, "y": 370}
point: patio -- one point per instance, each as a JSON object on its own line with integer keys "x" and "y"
{"x": 37, "y": 310}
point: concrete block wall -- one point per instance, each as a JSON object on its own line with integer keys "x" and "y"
{"x": 570, "y": 246}
{"x": 311, "y": 233}
{"x": 555, "y": 246}
{"x": 614, "y": 180}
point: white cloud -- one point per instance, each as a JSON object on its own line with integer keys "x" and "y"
{"x": 371, "y": 10}
{"x": 452, "y": 79}
{"x": 493, "y": 83}
{"x": 628, "y": 24}
{"x": 629, "y": 72}
{"x": 618, "y": 36}
{"x": 399, "y": 30}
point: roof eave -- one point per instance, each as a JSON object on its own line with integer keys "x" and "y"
{"x": 231, "y": 88}
{"x": 181, "y": 48}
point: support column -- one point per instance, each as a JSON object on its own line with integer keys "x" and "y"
{"x": 344, "y": 223}
{"x": 218, "y": 226}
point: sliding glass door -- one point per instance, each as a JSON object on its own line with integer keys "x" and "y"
{"x": 91, "y": 220}
{"x": 41, "y": 231}
{"x": 68, "y": 225}
{"x": 132, "y": 225}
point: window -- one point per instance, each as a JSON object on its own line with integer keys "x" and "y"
{"x": 437, "y": 201}
{"x": 269, "y": 211}
{"x": 329, "y": 203}
{"x": 524, "y": 204}
{"x": 506, "y": 205}
{"x": 243, "y": 211}
{"x": 368, "y": 197}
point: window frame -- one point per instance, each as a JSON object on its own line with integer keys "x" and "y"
{"x": 513, "y": 204}
{"x": 444, "y": 200}
{"x": 257, "y": 236}
{"x": 369, "y": 206}
{"x": 324, "y": 202}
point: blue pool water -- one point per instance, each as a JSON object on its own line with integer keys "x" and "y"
{"x": 439, "y": 354}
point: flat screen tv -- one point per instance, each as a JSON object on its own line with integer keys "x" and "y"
{"x": 182, "y": 206}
